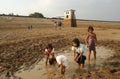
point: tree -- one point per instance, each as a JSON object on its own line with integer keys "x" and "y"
{"x": 36, "y": 15}
{"x": 11, "y": 14}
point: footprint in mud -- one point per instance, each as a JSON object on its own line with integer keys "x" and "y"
{"x": 32, "y": 67}
{"x": 39, "y": 68}
{"x": 16, "y": 77}
{"x": 44, "y": 73}
{"x": 19, "y": 71}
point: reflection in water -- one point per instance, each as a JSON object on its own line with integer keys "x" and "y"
{"x": 50, "y": 72}
{"x": 53, "y": 72}
{"x": 94, "y": 63}
{"x": 92, "y": 66}
{"x": 9, "y": 75}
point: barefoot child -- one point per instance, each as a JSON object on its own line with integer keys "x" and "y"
{"x": 62, "y": 62}
{"x": 49, "y": 52}
{"x": 78, "y": 52}
{"x": 90, "y": 42}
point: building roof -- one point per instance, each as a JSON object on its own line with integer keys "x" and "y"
{"x": 70, "y": 10}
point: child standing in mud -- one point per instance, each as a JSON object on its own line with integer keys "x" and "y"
{"x": 78, "y": 52}
{"x": 90, "y": 40}
{"x": 49, "y": 51}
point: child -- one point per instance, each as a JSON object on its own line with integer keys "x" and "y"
{"x": 60, "y": 24}
{"x": 55, "y": 24}
{"x": 79, "y": 50}
{"x": 90, "y": 42}
{"x": 49, "y": 51}
{"x": 62, "y": 62}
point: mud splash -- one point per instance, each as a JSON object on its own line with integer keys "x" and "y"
{"x": 40, "y": 71}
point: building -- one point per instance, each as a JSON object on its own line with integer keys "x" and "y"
{"x": 69, "y": 18}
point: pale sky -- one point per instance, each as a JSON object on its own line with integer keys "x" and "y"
{"x": 85, "y": 9}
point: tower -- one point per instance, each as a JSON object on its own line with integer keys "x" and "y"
{"x": 69, "y": 18}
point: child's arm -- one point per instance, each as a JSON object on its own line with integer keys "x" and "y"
{"x": 81, "y": 53}
{"x": 95, "y": 38}
{"x": 53, "y": 54}
{"x": 75, "y": 55}
{"x": 79, "y": 56}
{"x": 47, "y": 58}
{"x": 45, "y": 52}
{"x": 74, "y": 51}
{"x": 86, "y": 39}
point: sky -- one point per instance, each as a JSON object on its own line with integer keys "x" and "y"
{"x": 85, "y": 9}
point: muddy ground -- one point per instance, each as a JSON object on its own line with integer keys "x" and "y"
{"x": 20, "y": 47}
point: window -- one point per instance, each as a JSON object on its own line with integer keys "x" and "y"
{"x": 67, "y": 16}
{"x": 67, "y": 12}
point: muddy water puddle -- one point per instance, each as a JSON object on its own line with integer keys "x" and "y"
{"x": 40, "y": 71}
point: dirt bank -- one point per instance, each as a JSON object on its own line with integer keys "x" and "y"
{"x": 27, "y": 52}
{"x": 24, "y": 47}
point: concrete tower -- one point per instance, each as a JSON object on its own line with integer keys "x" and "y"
{"x": 69, "y": 18}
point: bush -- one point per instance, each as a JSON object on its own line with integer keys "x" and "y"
{"x": 36, "y": 15}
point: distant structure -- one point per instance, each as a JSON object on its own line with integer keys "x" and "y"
{"x": 69, "y": 18}
{"x": 30, "y": 27}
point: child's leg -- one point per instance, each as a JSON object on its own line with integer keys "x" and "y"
{"x": 79, "y": 66}
{"x": 94, "y": 55}
{"x": 89, "y": 53}
{"x": 82, "y": 65}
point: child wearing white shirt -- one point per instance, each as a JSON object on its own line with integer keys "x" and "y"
{"x": 78, "y": 52}
{"x": 62, "y": 62}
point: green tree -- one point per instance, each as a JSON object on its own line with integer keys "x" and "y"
{"x": 36, "y": 15}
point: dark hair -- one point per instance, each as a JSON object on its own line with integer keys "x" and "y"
{"x": 49, "y": 46}
{"x": 90, "y": 28}
{"x": 76, "y": 40}
{"x": 51, "y": 61}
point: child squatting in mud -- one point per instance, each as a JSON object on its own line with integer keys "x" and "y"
{"x": 49, "y": 52}
{"x": 61, "y": 60}
{"x": 79, "y": 49}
